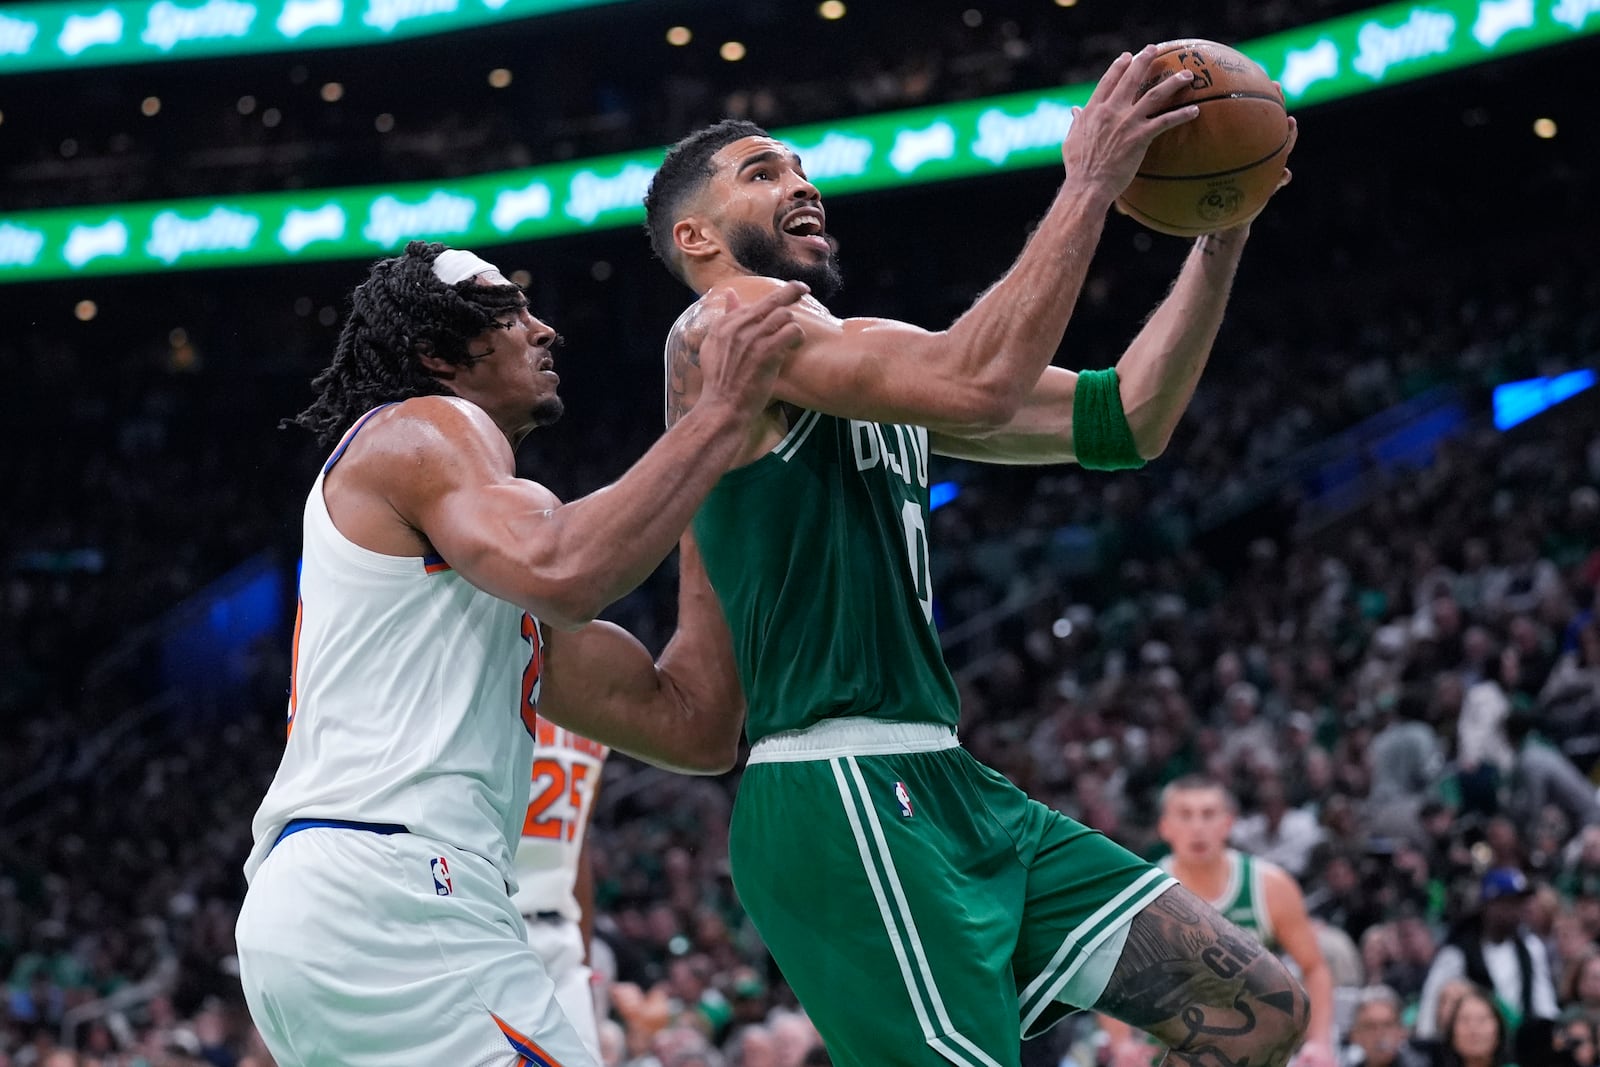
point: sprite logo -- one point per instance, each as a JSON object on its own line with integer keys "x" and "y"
{"x": 1575, "y": 13}
{"x": 385, "y": 15}
{"x": 19, "y": 245}
{"x": 298, "y": 16}
{"x": 300, "y": 228}
{"x": 837, "y": 155}
{"x": 84, "y": 243}
{"x": 1000, "y": 134}
{"x": 172, "y": 236}
{"x": 1425, "y": 33}
{"x": 1304, "y": 67}
{"x": 16, "y": 35}
{"x": 590, "y": 195}
{"x": 913, "y": 148}
{"x": 86, "y": 31}
{"x": 170, "y": 24}
{"x": 1496, "y": 18}
{"x": 441, "y": 213}
{"x": 513, "y": 207}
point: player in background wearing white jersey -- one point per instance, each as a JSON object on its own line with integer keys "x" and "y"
{"x": 1197, "y": 815}
{"x": 445, "y": 604}
{"x": 555, "y": 879}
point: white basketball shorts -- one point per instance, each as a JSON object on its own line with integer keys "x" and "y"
{"x": 559, "y": 943}
{"x": 359, "y": 949}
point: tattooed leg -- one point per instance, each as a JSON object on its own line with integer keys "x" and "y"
{"x": 1205, "y": 988}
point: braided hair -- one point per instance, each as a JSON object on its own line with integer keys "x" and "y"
{"x": 402, "y": 311}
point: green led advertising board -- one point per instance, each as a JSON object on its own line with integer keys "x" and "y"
{"x": 55, "y": 35}
{"x": 1315, "y": 63}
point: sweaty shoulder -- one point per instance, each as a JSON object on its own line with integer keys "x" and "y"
{"x": 749, "y": 288}
{"x": 425, "y": 447}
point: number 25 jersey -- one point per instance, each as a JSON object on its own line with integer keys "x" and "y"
{"x": 566, "y": 779}
{"x": 818, "y": 552}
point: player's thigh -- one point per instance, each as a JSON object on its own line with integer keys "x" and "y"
{"x": 350, "y": 955}
{"x": 1083, "y": 892}
{"x": 891, "y": 912}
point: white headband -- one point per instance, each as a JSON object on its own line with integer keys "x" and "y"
{"x": 457, "y": 265}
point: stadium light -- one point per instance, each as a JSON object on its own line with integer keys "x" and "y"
{"x": 679, "y": 36}
{"x": 1544, "y": 129}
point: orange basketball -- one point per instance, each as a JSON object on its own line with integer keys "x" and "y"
{"x": 1218, "y": 169}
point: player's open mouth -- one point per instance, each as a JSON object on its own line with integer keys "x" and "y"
{"x": 807, "y": 225}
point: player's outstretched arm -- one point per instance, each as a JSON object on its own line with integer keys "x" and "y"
{"x": 1156, "y": 376}
{"x": 975, "y": 373}
{"x": 452, "y": 479}
{"x": 683, "y": 712}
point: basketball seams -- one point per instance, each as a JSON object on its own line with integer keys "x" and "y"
{"x": 1238, "y": 94}
{"x": 1240, "y": 169}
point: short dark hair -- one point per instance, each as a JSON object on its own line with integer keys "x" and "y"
{"x": 400, "y": 312}
{"x": 681, "y": 175}
{"x": 1197, "y": 783}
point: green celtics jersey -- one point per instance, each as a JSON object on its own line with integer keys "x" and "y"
{"x": 818, "y": 552}
{"x": 1244, "y": 900}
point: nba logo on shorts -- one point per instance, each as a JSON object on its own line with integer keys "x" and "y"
{"x": 904, "y": 798}
{"x": 441, "y": 876}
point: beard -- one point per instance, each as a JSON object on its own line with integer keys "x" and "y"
{"x": 548, "y": 410}
{"x": 762, "y": 252}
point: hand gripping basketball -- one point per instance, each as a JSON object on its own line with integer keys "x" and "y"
{"x": 1112, "y": 131}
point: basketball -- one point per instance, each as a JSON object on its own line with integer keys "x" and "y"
{"x": 1218, "y": 169}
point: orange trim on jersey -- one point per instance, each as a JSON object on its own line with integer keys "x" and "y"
{"x": 294, "y": 664}
{"x": 524, "y": 1045}
{"x": 435, "y": 564}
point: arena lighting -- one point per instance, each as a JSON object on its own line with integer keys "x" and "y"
{"x": 679, "y": 36}
{"x": 383, "y": 123}
{"x": 333, "y": 92}
{"x": 732, "y": 51}
{"x": 85, "y": 310}
{"x": 94, "y": 33}
{"x": 246, "y": 105}
{"x": 1066, "y": 3}
{"x": 831, "y": 10}
{"x": 1317, "y": 63}
{"x": 499, "y": 77}
{"x": 1517, "y": 402}
{"x": 1544, "y": 129}
{"x": 150, "y": 107}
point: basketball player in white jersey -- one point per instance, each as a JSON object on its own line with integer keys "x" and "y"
{"x": 444, "y": 605}
{"x": 555, "y": 881}
{"x": 1260, "y": 898}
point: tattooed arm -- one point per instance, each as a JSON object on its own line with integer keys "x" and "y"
{"x": 685, "y": 380}
{"x": 1204, "y": 988}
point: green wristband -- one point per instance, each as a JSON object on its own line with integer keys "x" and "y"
{"x": 1100, "y": 434}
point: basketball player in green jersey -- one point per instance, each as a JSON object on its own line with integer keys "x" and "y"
{"x": 1258, "y": 897}
{"x": 924, "y": 910}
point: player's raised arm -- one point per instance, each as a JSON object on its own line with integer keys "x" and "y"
{"x": 453, "y": 481}
{"x": 753, "y": 216}
{"x": 683, "y": 712}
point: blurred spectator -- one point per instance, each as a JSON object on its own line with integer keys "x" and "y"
{"x": 1377, "y": 1035}
{"x": 1475, "y": 1033}
{"x": 1492, "y": 950}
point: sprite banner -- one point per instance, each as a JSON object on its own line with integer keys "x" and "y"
{"x": 44, "y": 36}
{"x": 1315, "y": 63}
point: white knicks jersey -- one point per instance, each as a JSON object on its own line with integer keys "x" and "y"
{"x": 412, "y": 698}
{"x": 566, "y": 778}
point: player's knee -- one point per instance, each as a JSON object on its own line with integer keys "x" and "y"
{"x": 1282, "y": 1008}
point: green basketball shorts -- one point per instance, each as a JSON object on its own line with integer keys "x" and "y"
{"x": 923, "y": 908}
